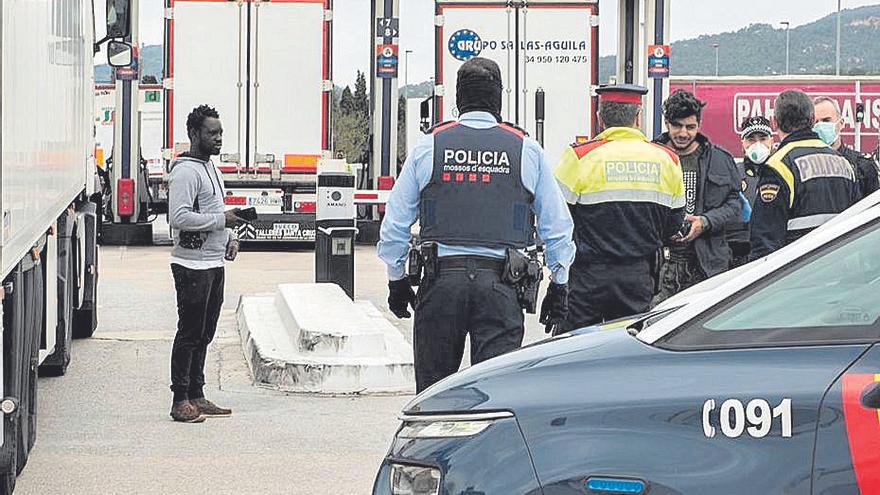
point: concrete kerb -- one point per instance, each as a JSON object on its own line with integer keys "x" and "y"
{"x": 332, "y": 348}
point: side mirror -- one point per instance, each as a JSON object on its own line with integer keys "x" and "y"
{"x": 118, "y": 18}
{"x": 425, "y": 115}
{"x": 118, "y": 54}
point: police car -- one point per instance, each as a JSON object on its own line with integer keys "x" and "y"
{"x": 767, "y": 382}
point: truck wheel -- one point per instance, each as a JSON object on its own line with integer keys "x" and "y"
{"x": 85, "y": 317}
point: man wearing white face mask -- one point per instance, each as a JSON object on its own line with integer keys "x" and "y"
{"x": 804, "y": 184}
{"x": 757, "y": 145}
{"x": 829, "y": 125}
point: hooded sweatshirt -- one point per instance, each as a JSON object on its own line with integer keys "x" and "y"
{"x": 190, "y": 179}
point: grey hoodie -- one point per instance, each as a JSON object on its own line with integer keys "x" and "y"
{"x": 192, "y": 178}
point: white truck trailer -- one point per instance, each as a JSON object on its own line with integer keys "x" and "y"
{"x": 547, "y": 47}
{"x": 48, "y": 253}
{"x": 265, "y": 66}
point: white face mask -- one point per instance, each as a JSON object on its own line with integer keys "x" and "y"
{"x": 758, "y": 153}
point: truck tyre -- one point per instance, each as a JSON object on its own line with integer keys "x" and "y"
{"x": 85, "y": 316}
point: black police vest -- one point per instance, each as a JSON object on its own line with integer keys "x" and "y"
{"x": 476, "y": 196}
{"x": 824, "y": 185}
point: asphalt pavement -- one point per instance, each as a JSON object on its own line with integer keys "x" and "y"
{"x": 104, "y": 428}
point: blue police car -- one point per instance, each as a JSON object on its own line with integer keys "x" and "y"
{"x": 765, "y": 383}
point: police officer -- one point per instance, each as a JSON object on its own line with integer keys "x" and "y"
{"x": 829, "y": 124}
{"x": 626, "y": 196}
{"x": 757, "y": 146}
{"x": 473, "y": 184}
{"x": 805, "y": 183}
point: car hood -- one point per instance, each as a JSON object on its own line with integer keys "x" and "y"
{"x": 533, "y": 377}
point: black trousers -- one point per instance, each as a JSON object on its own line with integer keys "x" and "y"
{"x": 466, "y": 297}
{"x": 606, "y": 289}
{"x": 199, "y": 299}
{"x": 676, "y": 275}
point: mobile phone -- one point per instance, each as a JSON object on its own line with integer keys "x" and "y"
{"x": 685, "y": 230}
{"x": 249, "y": 214}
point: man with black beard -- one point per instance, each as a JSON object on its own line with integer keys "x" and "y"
{"x": 472, "y": 184}
{"x": 712, "y": 185}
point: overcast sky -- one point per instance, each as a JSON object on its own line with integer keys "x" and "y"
{"x": 690, "y": 18}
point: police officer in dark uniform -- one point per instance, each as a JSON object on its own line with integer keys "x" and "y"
{"x": 757, "y": 146}
{"x": 829, "y": 124}
{"x": 627, "y": 199}
{"x": 474, "y": 184}
{"x": 805, "y": 183}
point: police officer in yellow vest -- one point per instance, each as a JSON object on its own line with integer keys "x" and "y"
{"x": 805, "y": 183}
{"x": 626, "y": 196}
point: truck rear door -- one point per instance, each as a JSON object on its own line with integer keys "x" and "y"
{"x": 547, "y": 45}
{"x": 289, "y": 43}
{"x": 205, "y": 57}
{"x": 265, "y": 66}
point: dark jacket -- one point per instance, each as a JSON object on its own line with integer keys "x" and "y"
{"x": 739, "y": 233}
{"x": 718, "y": 201}
{"x": 866, "y": 170}
{"x": 804, "y": 184}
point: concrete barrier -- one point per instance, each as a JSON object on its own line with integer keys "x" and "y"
{"x": 313, "y": 338}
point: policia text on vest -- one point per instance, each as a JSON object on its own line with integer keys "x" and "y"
{"x": 474, "y": 186}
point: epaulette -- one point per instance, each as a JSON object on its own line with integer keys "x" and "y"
{"x": 439, "y": 125}
{"x": 518, "y": 128}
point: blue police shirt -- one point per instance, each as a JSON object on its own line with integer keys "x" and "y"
{"x": 555, "y": 226}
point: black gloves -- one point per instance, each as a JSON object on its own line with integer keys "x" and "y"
{"x": 554, "y": 307}
{"x": 401, "y": 295}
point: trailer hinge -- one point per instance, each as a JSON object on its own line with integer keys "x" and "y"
{"x": 169, "y": 13}
{"x": 328, "y": 15}
{"x": 326, "y": 85}
{"x": 594, "y": 21}
{"x": 168, "y": 83}
{"x": 9, "y": 405}
{"x": 439, "y": 90}
{"x": 439, "y": 20}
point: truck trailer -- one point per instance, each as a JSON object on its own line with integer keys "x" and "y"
{"x": 268, "y": 74}
{"x": 48, "y": 202}
{"x": 730, "y": 100}
{"x": 548, "y": 53}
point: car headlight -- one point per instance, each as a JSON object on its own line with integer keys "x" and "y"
{"x": 448, "y": 426}
{"x": 414, "y": 480}
{"x": 442, "y": 429}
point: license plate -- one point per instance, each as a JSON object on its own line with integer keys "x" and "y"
{"x": 265, "y": 201}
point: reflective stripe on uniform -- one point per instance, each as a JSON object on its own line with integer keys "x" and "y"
{"x": 612, "y": 195}
{"x": 775, "y": 162}
{"x": 620, "y": 166}
{"x": 809, "y": 222}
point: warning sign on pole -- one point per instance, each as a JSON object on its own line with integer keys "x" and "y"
{"x": 658, "y": 61}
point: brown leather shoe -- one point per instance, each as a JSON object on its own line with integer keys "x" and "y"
{"x": 186, "y": 412}
{"x": 211, "y": 410}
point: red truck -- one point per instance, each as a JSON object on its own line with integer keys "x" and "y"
{"x": 731, "y": 99}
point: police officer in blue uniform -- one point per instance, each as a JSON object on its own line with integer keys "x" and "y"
{"x": 804, "y": 184}
{"x": 473, "y": 184}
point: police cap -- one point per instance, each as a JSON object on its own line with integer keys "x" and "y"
{"x": 622, "y": 93}
{"x": 756, "y": 125}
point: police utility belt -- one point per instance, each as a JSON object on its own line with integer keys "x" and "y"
{"x": 520, "y": 271}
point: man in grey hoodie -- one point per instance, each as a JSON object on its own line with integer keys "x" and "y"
{"x": 201, "y": 229}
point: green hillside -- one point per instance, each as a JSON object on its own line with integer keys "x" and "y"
{"x": 759, "y": 50}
